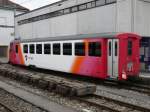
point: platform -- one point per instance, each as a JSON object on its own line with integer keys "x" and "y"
{"x": 64, "y": 86}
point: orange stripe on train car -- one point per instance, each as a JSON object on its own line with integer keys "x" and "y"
{"x": 20, "y": 55}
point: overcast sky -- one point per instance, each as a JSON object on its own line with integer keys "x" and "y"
{"x": 33, "y": 4}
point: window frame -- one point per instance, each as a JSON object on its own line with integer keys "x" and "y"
{"x": 79, "y": 52}
{"x": 130, "y": 47}
{"x": 48, "y": 50}
{"x": 55, "y": 52}
{"x": 17, "y": 48}
{"x": 93, "y": 47}
{"x": 39, "y": 45}
{"x": 67, "y": 51}
{"x": 25, "y": 49}
{"x": 32, "y": 45}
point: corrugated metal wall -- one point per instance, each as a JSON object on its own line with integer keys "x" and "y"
{"x": 145, "y": 54}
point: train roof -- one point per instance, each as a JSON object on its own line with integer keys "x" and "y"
{"x": 74, "y": 37}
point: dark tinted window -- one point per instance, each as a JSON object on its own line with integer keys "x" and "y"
{"x": 116, "y": 49}
{"x": 38, "y": 48}
{"x": 56, "y": 49}
{"x": 95, "y": 49}
{"x": 16, "y": 48}
{"x": 25, "y": 48}
{"x": 67, "y": 49}
{"x": 32, "y": 49}
{"x": 80, "y": 49}
{"x": 47, "y": 49}
{"x": 130, "y": 47}
{"x": 110, "y": 49}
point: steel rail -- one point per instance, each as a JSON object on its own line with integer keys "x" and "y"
{"x": 7, "y": 107}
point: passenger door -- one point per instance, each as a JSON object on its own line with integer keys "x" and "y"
{"x": 113, "y": 53}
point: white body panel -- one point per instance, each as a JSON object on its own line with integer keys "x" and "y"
{"x": 50, "y": 61}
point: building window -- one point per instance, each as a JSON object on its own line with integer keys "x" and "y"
{"x": 74, "y": 9}
{"x": 100, "y": 2}
{"x": 25, "y": 48}
{"x": 89, "y": 5}
{"x": 80, "y": 49}
{"x": 95, "y": 49}
{"x": 66, "y": 11}
{"x": 130, "y": 45}
{"x": 38, "y": 48}
{"x": 32, "y": 49}
{"x": 47, "y": 48}
{"x": 67, "y": 49}
{"x": 82, "y": 7}
{"x": 17, "y": 48}
{"x": 93, "y": 4}
{"x": 56, "y": 49}
{"x": 111, "y": 1}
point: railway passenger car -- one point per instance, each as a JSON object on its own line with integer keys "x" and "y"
{"x": 106, "y": 56}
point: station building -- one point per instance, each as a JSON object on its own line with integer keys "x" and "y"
{"x": 7, "y": 11}
{"x": 74, "y": 17}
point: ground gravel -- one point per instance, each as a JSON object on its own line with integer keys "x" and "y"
{"x": 16, "y": 104}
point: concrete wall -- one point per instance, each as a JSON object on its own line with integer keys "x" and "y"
{"x": 7, "y": 30}
{"x": 142, "y": 17}
{"x": 123, "y": 16}
{"x": 96, "y": 20}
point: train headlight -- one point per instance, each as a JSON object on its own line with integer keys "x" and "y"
{"x": 124, "y": 75}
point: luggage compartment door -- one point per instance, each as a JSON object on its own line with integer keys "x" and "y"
{"x": 113, "y": 53}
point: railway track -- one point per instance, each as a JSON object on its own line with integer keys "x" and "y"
{"x": 7, "y": 108}
{"x": 111, "y": 105}
{"x": 128, "y": 85}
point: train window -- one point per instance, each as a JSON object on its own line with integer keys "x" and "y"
{"x": 47, "y": 48}
{"x": 67, "y": 49}
{"x": 25, "y": 48}
{"x": 130, "y": 47}
{"x": 110, "y": 48}
{"x": 56, "y": 49}
{"x": 111, "y": 1}
{"x": 38, "y": 48}
{"x": 116, "y": 48}
{"x": 32, "y": 49}
{"x": 66, "y": 11}
{"x": 16, "y": 48}
{"x": 80, "y": 49}
{"x": 82, "y": 7}
{"x": 94, "y": 49}
{"x": 74, "y": 9}
{"x": 100, "y": 2}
